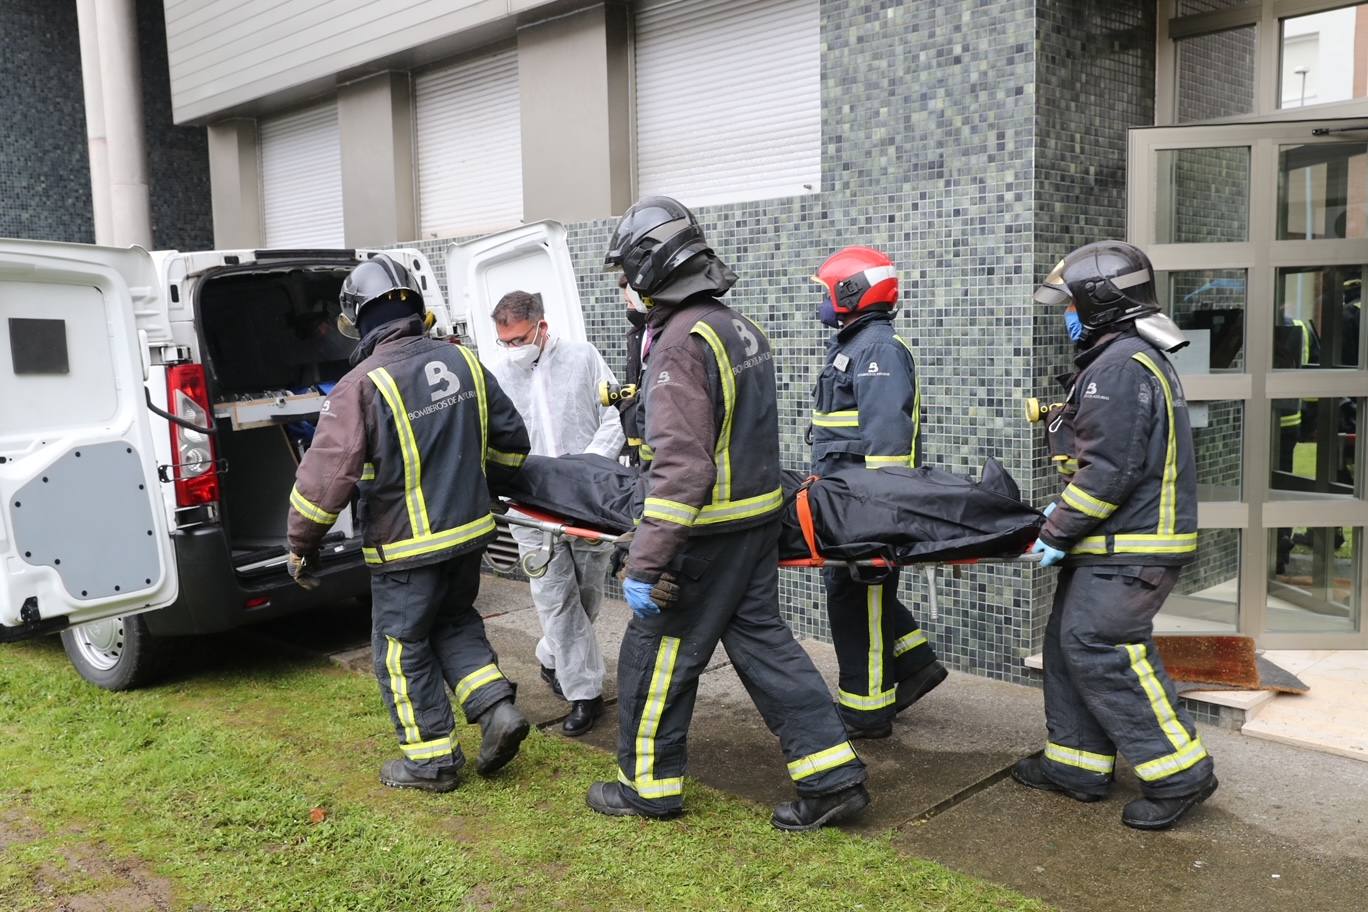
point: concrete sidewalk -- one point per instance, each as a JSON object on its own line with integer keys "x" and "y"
{"x": 1288, "y": 828}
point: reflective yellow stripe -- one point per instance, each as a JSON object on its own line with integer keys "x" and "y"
{"x": 427, "y": 750}
{"x": 427, "y": 544}
{"x": 310, "y": 510}
{"x": 1162, "y": 767}
{"x": 878, "y": 462}
{"x": 477, "y": 371}
{"x": 666, "y": 655}
{"x": 408, "y": 449}
{"x": 403, "y": 706}
{"x": 845, "y": 418}
{"x": 654, "y": 788}
{"x": 512, "y": 460}
{"x": 670, "y": 511}
{"x": 1072, "y": 756}
{"x": 873, "y": 701}
{"x": 1139, "y": 543}
{"x": 1086, "y": 504}
{"x": 722, "y": 456}
{"x": 874, "y": 612}
{"x": 1158, "y": 698}
{"x": 368, "y": 472}
{"x": 1292, "y": 420}
{"x": 916, "y": 403}
{"x": 475, "y": 680}
{"x": 908, "y": 642}
{"x": 1168, "y": 492}
{"x": 1066, "y": 465}
{"x": 822, "y": 761}
{"x": 746, "y": 508}
{"x": 647, "y": 454}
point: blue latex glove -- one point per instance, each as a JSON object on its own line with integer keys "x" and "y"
{"x": 1050, "y": 509}
{"x": 1049, "y": 556}
{"x": 639, "y": 598}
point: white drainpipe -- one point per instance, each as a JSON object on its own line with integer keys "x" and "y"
{"x": 112, "y": 82}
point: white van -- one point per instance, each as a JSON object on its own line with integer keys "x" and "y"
{"x": 153, "y": 409}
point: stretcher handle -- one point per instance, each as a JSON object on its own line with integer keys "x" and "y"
{"x": 533, "y": 518}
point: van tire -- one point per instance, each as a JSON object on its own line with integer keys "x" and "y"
{"x": 116, "y": 654}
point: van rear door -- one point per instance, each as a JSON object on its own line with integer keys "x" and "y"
{"x": 83, "y": 533}
{"x": 531, "y": 258}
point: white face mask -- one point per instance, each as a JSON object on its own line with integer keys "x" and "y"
{"x": 633, "y": 299}
{"x": 525, "y": 356}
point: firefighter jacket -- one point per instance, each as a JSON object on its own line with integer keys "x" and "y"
{"x": 709, "y": 409}
{"x": 1133, "y": 497}
{"x": 867, "y": 401}
{"x": 414, "y": 426}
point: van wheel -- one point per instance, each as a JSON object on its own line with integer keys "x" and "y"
{"x": 116, "y": 653}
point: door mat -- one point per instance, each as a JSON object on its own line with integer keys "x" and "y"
{"x": 1222, "y": 663}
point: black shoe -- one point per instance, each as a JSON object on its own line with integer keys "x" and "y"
{"x": 396, "y": 774}
{"x": 814, "y": 813}
{"x": 856, "y": 731}
{"x": 1029, "y": 773}
{"x": 502, "y": 728}
{"x": 1162, "y": 813}
{"x": 919, "y": 685}
{"x": 607, "y": 798}
{"x": 582, "y": 716}
{"x": 549, "y": 676}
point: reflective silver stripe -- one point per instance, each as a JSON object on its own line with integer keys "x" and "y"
{"x": 908, "y": 642}
{"x": 732, "y": 511}
{"x": 427, "y": 750}
{"x": 670, "y": 511}
{"x": 512, "y": 460}
{"x": 310, "y": 510}
{"x": 1184, "y": 758}
{"x": 478, "y": 678}
{"x": 427, "y": 544}
{"x": 845, "y": 418}
{"x": 873, "y": 701}
{"x": 1086, "y": 504}
{"x": 1072, "y": 756}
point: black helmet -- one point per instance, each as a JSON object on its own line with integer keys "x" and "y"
{"x": 376, "y": 278}
{"x": 653, "y": 239}
{"x": 1107, "y": 282}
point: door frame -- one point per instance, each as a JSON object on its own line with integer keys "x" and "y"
{"x": 1260, "y": 255}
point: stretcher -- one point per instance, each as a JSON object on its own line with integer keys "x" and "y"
{"x": 554, "y": 529}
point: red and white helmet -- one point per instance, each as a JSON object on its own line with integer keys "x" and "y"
{"x": 859, "y": 279}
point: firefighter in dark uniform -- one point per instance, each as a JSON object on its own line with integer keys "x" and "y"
{"x": 704, "y": 562}
{"x": 867, "y": 412}
{"x": 1122, "y": 529}
{"x": 414, "y": 427}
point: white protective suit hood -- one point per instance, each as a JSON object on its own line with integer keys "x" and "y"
{"x": 558, "y": 400}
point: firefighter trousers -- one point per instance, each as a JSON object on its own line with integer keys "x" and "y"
{"x": 427, "y": 636}
{"x": 878, "y": 644}
{"x": 1106, "y": 689}
{"x": 728, "y": 593}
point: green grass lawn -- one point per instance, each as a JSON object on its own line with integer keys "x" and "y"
{"x": 207, "y": 784}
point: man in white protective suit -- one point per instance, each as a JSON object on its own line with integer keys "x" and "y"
{"x": 554, "y": 384}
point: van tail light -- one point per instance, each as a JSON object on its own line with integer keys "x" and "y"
{"x": 196, "y": 472}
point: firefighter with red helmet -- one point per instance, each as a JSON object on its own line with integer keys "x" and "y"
{"x": 867, "y": 412}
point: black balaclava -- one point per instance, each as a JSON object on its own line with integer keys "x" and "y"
{"x": 381, "y": 311}
{"x": 701, "y": 274}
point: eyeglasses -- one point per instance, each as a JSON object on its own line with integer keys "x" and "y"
{"x": 522, "y": 340}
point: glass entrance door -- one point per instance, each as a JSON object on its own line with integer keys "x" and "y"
{"x": 1259, "y": 237}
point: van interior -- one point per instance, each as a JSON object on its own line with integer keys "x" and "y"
{"x": 271, "y": 351}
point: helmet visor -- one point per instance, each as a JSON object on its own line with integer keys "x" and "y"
{"x": 1053, "y": 296}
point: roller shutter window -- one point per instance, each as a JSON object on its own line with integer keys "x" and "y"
{"x": 468, "y": 133}
{"x": 301, "y": 178}
{"x": 728, "y": 99}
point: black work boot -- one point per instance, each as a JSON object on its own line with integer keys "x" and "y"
{"x": 814, "y": 813}
{"x": 1030, "y": 774}
{"x": 549, "y": 676}
{"x": 860, "y": 730}
{"x": 1162, "y": 813}
{"x": 396, "y": 774}
{"x": 582, "y": 716}
{"x": 919, "y": 685}
{"x": 502, "y": 729}
{"x": 608, "y": 798}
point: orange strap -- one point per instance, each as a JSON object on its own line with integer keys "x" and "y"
{"x": 805, "y": 520}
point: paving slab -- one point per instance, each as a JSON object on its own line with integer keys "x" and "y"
{"x": 1288, "y": 829}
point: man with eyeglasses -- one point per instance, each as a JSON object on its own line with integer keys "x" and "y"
{"x": 554, "y": 384}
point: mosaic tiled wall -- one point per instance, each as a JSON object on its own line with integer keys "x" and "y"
{"x": 44, "y": 169}
{"x": 974, "y": 144}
